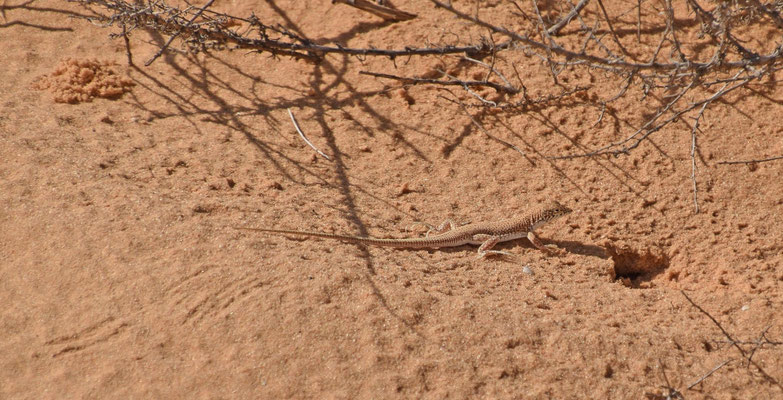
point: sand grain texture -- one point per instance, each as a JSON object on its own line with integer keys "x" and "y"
{"x": 120, "y": 276}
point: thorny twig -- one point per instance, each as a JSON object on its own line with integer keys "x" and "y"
{"x": 486, "y": 132}
{"x": 577, "y": 58}
{"x": 670, "y": 66}
{"x": 491, "y": 69}
{"x": 611, "y": 28}
{"x": 554, "y": 30}
{"x": 672, "y": 393}
{"x": 450, "y": 82}
{"x": 756, "y": 161}
{"x": 387, "y": 13}
{"x": 302, "y": 135}
{"x": 712, "y": 371}
{"x": 174, "y": 36}
{"x": 211, "y": 32}
{"x": 735, "y": 343}
{"x": 681, "y": 73}
{"x": 693, "y": 164}
{"x": 695, "y": 128}
{"x": 650, "y": 127}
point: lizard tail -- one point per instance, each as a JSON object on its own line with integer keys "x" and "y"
{"x": 388, "y": 242}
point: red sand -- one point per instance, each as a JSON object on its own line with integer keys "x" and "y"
{"x": 121, "y": 276}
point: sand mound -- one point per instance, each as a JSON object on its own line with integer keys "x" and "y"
{"x": 76, "y": 81}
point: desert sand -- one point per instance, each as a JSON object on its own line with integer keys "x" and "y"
{"x": 122, "y": 275}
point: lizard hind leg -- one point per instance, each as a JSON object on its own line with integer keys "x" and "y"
{"x": 444, "y": 227}
{"x": 488, "y": 242}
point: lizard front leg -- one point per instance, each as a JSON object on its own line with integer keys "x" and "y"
{"x": 539, "y": 245}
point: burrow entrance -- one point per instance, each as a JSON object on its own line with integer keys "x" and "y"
{"x": 637, "y": 268}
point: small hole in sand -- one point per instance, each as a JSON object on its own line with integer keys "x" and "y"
{"x": 637, "y": 268}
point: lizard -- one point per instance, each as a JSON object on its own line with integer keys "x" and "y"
{"x": 484, "y": 234}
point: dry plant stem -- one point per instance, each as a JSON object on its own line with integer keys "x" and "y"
{"x": 607, "y": 149}
{"x": 127, "y": 44}
{"x": 492, "y": 70}
{"x": 759, "y": 341}
{"x": 775, "y": 16}
{"x": 554, "y": 30}
{"x": 387, "y": 13}
{"x": 722, "y": 31}
{"x": 622, "y": 91}
{"x": 545, "y": 36}
{"x": 452, "y": 82}
{"x": 174, "y": 36}
{"x": 672, "y": 392}
{"x": 728, "y": 336}
{"x": 693, "y": 168}
{"x": 613, "y": 64}
{"x": 486, "y": 132}
{"x": 211, "y": 33}
{"x": 734, "y": 342}
{"x": 649, "y": 128}
{"x": 611, "y": 28}
{"x": 712, "y": 371}
{"x": 639, "y": 21}
{"x": 670, "y": 29}
{"x": 302, "y": 135}
{"x": 760, "y": 160}
{"x": 491, "y": 67}
{"x": 527, "y": 103}
{"x": 693, "y": 157}
{"x": 678, "y": 114}
{"x": 590, "y": 37}
{"x": 660, "y": 43}
{"x": 469, "y": 90}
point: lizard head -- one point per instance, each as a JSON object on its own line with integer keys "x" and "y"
{"x": 552, "y": 210}
{"x": 557, "y": 209}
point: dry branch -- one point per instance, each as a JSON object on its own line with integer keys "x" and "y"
{"x": 554, "y": 30}
{"x": 650, "y": 127}
{"x": 581, "y": 57}
{"x": 174, "y": 36}
{"x": 203, "y": 30}
{"x": 732, "y": 63}
{"x": 486, "y": 132}
{"x": 442, "y": 82}
{"x": 387, "y": 13}
{"x": 664, "y": 65}
{"x": 754, "y": 161}
{"x": 707, "y": 375}
{"x": 736, "y": 343}
{"x": 302, "y": 135}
